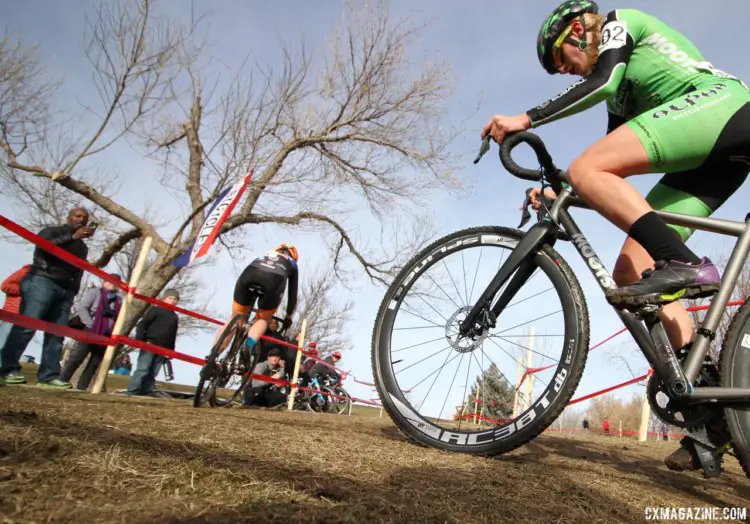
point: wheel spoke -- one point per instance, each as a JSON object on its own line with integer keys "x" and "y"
{"x": 447, "y": 394}
{"x": 443, "y": 290}
{"x": 417, "y": 345}
{"x": 420, "y": 317}
{"x": 420, "y": 361}
{"x": 526, "y": 348}
{"x": 451, "y": 277}
{"x": 438, "y": 371}
{"x": 530, "y": 321}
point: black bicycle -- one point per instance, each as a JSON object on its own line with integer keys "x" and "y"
{"x": 450, "y": 348}
{"x": 228, "y": 368}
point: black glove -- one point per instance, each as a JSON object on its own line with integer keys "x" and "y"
{"x": 287, "y": 323}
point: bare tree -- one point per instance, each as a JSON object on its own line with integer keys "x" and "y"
{"x": 326, "y": 317}
{"x": 570, "y": 418}
{"x": 362, "y": 134}
{"x": 616, "y": 410}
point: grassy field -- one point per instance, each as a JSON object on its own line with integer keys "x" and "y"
{"x": 114, "y": 382}
{"x": 70, "y": 457}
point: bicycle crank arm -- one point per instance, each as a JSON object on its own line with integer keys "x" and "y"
{"x": 668, "y": 369}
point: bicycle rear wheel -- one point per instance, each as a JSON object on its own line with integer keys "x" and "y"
{"x": 221, "y": 366}
{"x": 211, "y": 371}
{"x": 339, "y": 401}
{"x": 734, "y": 367}
{"x": 236, "y": 368}
{"x": 417, "y": 328}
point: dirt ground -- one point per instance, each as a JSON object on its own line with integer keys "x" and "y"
{"x": 75, "y": 457}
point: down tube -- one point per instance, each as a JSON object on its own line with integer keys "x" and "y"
{"x": 632, "y": 324}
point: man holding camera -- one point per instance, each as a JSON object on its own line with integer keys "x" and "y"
{"x": 47, "y": 292}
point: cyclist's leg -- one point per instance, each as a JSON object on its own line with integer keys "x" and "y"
{"x": 273, "y": 286}
{"x": 686, "y": 193}
{"x": 241, "y": 301}
{"x": 631, "y": 262}
{"x": 713, "y": 125}
{"x": 689, "y": 193}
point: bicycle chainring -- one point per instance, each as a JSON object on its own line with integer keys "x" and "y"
{"x": 680, "y": 414}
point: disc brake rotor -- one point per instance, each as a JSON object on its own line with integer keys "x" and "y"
{"x": 461, "y": 343}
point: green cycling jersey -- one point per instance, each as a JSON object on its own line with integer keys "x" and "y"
{"x": 692, "y": 119}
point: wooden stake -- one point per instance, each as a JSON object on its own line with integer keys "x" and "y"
{"x": 529, "y": 363}
{"x": 101, "y": 377}
{"x": 645, "y": 415}
{"x": 295, "y": 376}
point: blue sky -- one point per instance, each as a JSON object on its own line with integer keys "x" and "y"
{"x": 489, "y": 46}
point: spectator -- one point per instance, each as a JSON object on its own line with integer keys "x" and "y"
{"x": 605, "y": 425}
{"x": 327, "y": 368}
{"x": 265, "y": 345}
{"x": 264, "y": 393}
{"x": 47, "y": 292}
{"x": 11, "y": 286}
{"x": 98, "y": 311}
{"x": 308, "y": 363}
{"x": 159, "y": 327}
{"x": 123, "y": 366}
{"x": 665, "y": 432}
{"x": 585, "y": 424}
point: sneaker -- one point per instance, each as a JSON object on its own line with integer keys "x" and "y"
{"x": 14, "y": 377}
{"x": 667, "y": 282}
{"x": 54, "y": 383}
{"x": 684, "y": 458}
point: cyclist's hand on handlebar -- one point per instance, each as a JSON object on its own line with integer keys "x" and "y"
{"x": 534, "y": 194}
{"x": 500, "y": 125}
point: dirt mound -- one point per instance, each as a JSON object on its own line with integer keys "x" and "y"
{"x": 75, "y": 457}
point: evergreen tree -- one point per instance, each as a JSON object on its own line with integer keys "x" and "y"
{"x": 495, "y": 395}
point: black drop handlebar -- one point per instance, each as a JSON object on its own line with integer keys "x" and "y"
{"x": 548, "y": 170}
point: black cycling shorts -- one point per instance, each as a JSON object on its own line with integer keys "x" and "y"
{"x": 272, "y": 284}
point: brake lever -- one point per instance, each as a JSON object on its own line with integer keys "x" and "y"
{"x": 483, "y": 148}
{"x": 525, "y": 214}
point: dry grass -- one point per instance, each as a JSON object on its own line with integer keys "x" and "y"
{"x": 75, "y": 457}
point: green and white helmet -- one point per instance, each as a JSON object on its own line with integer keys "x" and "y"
{"x": 553, "y": 26}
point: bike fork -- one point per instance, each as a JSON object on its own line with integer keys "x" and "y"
{"x": 481, "y": 317}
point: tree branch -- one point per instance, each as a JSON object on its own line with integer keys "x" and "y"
{"x": 115, "y": 247}
{"x": 373, "y": 270}
{"x": 195, "y": 162}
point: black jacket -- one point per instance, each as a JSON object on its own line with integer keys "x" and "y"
{"x": 266, "y": 346}
{"x": 321, "y": 370}
{"x": 158, "y": 326}
{"x": 49, "y": 266}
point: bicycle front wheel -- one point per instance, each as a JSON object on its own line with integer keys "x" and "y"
{"x": 495, "y": 392}
{"x": 343, "y": 401}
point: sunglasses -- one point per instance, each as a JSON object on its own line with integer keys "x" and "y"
{"x": 557, "y": 47}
